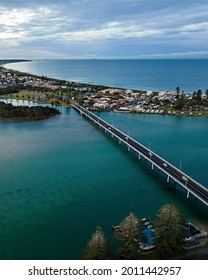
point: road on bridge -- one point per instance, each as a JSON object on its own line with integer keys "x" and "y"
{"x": 176, "y": 174}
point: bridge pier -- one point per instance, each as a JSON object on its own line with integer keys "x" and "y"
{"x": 199, "y": 192}
{"x": 119, "y": 141}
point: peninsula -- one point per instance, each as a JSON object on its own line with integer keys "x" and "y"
{"x": 4, "y": 61}
{"x": 41, "y": 89}
{"x": 25, "y": 112}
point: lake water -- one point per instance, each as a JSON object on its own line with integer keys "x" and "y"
{"x": 61, "y": 177}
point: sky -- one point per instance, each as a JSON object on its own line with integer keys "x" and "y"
{"x": 103, "y": 29}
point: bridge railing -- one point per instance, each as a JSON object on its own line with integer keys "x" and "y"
{"x": 128, "y": 140}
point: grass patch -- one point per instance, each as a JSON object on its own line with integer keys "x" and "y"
{"x": 35, "y": 96}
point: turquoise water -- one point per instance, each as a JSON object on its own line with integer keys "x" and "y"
{"x": 62, "y": 177}
{"x": 150, "y": 74}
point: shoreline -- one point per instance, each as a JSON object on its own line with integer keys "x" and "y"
{"x": 25, "y": 113}
{"x": 54, "y": 101}
{"x": 63, "y": 80}
{"x": 122, "y": 112}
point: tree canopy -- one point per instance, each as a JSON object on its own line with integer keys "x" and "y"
{"x": 97, "y": 248}
{"x": 169, "y": 232}
{"x": 26, "y": 112}
{"x": 128, "y": 233}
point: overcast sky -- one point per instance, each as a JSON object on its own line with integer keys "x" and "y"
{"x": 103, "y": 29}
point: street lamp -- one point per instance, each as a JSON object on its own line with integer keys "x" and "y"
{"x": 127, "y": 137}
{"x": 149, "y": 144}
{"x": 180, "y": 164}
{"x": 185, "y": 179}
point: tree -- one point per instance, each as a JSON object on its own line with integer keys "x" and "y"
{"x": 177, "y": 92}
{"x": 206, "y": 93}
{"x": 128, "y": 233}
{"x": 169, "y": 232}
{"x": 199, "y": 95}
{"x": 181, "y": 101}
{"x": 97, "y": 248}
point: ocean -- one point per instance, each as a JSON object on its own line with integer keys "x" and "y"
{"x": 62, "y": 177}
{"x": 148, "y": 74}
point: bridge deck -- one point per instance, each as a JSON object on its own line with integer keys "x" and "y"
{"x": 192, "y": 186}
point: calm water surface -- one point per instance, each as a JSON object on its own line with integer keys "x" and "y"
{"x": 62, "y": 177}
{"x": 150, "y": 74}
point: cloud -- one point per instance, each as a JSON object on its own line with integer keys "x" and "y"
{"x": 6, "y": 36}
{"x": 103, "y": 28}
{"x": 15, "y": 17}
{"x": 111, "y": 31}
{"x": 196, "y": 54}
{"x": 195, "y": 27}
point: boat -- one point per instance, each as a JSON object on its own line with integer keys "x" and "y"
{"x": 115, "y": 227}
{"x": 147, "y": 247}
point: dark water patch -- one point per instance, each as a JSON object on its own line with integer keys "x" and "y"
{"x": 142, "y": 190}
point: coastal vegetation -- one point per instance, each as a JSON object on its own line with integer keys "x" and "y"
{"x": 25, "y": 112}
{"x": 140, "y": 238}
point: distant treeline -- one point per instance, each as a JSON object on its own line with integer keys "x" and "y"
{"x": 26, "y": 112}
{"x": 4, "y": 61}
{"x": 11, "y": 89}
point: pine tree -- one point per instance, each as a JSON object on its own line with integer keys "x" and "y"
{"x": 181, "y": 101}
{"x": 177, "y": 92}
{"x": 128, "y": 233}
{"x": 199, "y": 95}
{"x": 169, "y": 232}
{"x": 206, "y": 93}
{"x": 97, "y": 248}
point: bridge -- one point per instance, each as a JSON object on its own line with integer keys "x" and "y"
{"x": 188, "y": 183}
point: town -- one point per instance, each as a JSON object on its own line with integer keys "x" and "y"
{"x": 18, "y": 85}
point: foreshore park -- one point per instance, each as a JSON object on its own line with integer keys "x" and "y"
{"x": 41, "y": 89}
